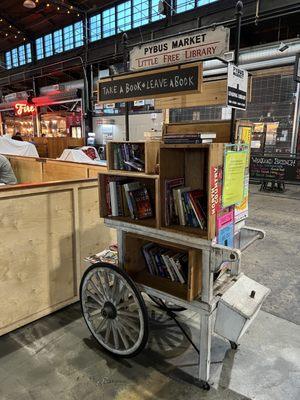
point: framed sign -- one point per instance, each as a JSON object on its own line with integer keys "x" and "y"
{"x": 275, "y": 168}
{"x": 151, "y": 84}
{"x": 199, "y": 45}
{"x": 237, "y": 87}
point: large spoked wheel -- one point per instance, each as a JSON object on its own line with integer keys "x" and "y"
{"x": 114, "y": 310}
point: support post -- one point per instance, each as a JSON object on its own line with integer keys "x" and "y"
{"x": 238, "y": 15}
{"x": 125, "y": 63}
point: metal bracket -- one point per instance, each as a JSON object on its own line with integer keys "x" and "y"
{"x": 222, "y": 255}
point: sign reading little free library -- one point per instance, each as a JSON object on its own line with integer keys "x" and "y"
{"x": 199, "y": 45}
{"x": 150, "y": 84}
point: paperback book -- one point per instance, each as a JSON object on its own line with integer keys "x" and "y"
{"x": 129, "y": 156}
{"x": 166, "y": 263}
{"x": 128, "y": 199}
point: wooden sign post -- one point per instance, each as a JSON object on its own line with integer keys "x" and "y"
{"x": 161, "y": 82}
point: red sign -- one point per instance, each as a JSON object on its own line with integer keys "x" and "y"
{"x": 23, "y": 109}
{"x": 215, "y": 190}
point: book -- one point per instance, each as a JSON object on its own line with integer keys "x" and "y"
{"x": 196, "y": 197}
{"x": 168, "y": 264}
{"x": 179, "y": 204}
{"x": 165, "y": 263}
{"x": 171, "y": 213}
{"x": 138, "y": 200}
{"x": 189, "y": 138}
{"x": 175, "y": 261}
{"x": 129, "y": 156}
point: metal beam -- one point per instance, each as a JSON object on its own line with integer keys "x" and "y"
{"x": 70, "y": 4}
{"x": 16, "y": 26}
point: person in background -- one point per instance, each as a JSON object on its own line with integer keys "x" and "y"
{"x": 17, "y": 136}
{"x": 7, "y": 176}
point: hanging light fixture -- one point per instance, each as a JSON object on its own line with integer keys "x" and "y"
{"x": 29, "y": 4}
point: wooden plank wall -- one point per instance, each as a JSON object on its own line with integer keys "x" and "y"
{"x": 33, "y": 170}
{"x": 42, "y": 257}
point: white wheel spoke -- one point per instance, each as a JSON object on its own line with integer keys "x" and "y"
{"x": 115, "y": 334}
{"x": 95, "y": 314}
{"x": 130, "y": 324}
{"x": 94, "y": 297}
{"x": 126, "y": 331}
{"x": 128, "y": 314}
{"x": 91, "y": 305}
{"x": 101, "y": 325}
{"x": 108, "y": 329}
{"x": 122, "y": 336}
{"x": 105, "y": 284}
{"x": 121, "y": 293}
{"x": 97, "y": 290}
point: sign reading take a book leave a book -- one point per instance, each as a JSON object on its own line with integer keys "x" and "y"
{"x": 199, "y": 45}
{"x": 151, "y": 84}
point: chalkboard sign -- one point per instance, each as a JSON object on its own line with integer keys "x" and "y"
{"x": 275, "y": 168}
{"x": 150, "y": 84}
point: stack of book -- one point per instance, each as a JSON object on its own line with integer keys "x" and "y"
{"x": 128, "y": 199}
{"x": 129, "y": 157}
{"x": 166, "y": 263}
{"x": 189, "y": 138}
{"x": 184, "y": 206}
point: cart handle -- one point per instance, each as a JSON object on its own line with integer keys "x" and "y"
{"x": 259, "y": 235}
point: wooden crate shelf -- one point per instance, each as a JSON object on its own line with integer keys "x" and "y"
{"x": 136, "y": 268}
{"x": 221, "y": 128}
{"x": 150, "y": 181}
{"x": 193, "y": 162}
{"x": 150, "y": 150}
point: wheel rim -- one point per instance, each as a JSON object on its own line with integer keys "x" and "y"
{"x": 112, "y": 311}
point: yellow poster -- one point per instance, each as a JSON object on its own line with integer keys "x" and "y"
{"x": 234, "y": 177}
{"x": 246, "y": 134}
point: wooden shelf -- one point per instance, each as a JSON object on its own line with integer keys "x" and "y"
{"x": 151, "y": 222}
{"x": 195, "y": 163}
{"x": 136, "y": 267}
{"x": 130, "y": 174}
{"x": 165, "y": 285}
{"x": 150, "y": 151}
{"x": 187, "y": 230}
{"x": 151, "y": 183}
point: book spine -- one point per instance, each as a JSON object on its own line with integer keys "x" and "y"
{"x": 129, "y": 204}
{"x": 113, "y": 198}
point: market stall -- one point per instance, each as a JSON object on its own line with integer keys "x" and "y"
{"x": 42, "y": 257}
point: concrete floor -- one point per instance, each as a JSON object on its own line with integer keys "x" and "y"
{"x": 55, "y": 358}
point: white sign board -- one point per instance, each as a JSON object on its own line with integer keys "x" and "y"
{"x": 237, "y": 87}
{"x": 203, "y": 44}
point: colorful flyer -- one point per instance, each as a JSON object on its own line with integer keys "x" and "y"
{"x": 234, "y": 177}
{"x": 241, "y": 211}
{"x": 225, "y": 236}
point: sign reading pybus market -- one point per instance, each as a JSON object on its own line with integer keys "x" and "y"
{"x": 203, "y": 44}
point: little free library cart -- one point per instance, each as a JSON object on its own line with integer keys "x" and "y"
{"x": 178, "y": 207}
{"x": 178, "y": 263}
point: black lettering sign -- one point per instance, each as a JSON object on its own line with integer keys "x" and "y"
{"x": 149, "y": 85}
{"x": 275, "y": 168}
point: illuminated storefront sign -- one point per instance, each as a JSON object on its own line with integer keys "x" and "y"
{"x": 23, "y": 109}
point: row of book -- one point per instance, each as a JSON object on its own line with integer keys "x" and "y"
{"x": 129, "y": 157}
{"x": 128, "y": 199}
{"x": 166, "y": 263}
{"x": 183, "y": 205}
{"x": 189, "y": 138}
